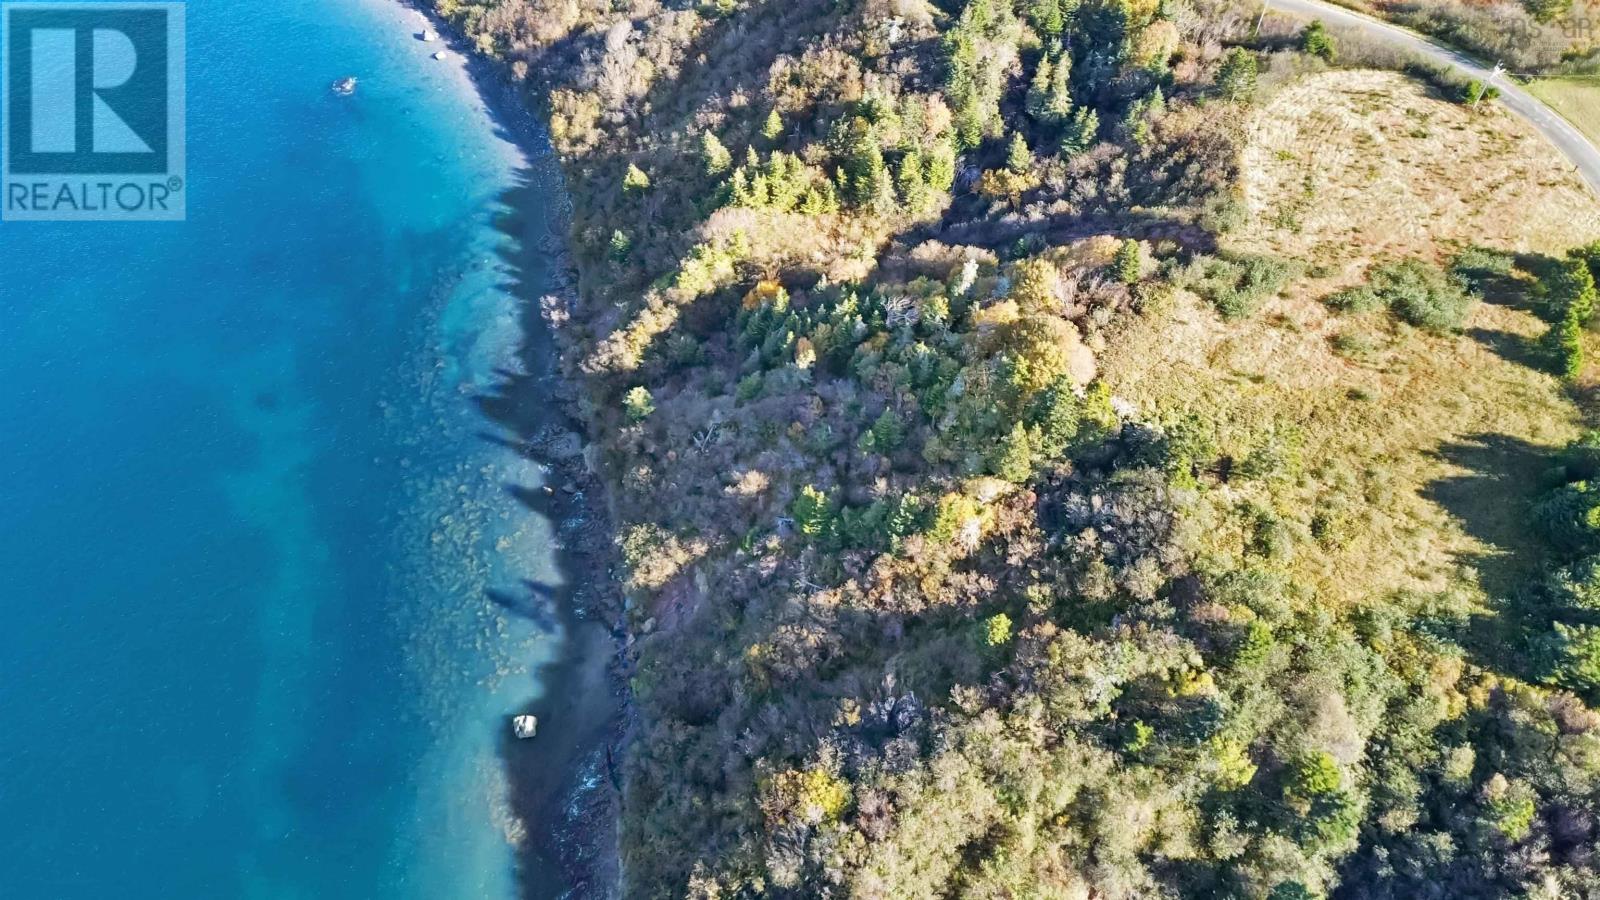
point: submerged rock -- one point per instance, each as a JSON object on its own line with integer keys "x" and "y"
{"x": 525, "y": 727}
{"x": 564, "y": 445}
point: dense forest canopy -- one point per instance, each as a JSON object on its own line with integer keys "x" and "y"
{"x": 925, "y": 608}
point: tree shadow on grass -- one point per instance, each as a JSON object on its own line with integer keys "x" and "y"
{"x": 1512, "y": 347}
{"x": 1492, "y": 500}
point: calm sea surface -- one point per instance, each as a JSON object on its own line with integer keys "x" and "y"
{"x": 247, "y": 512}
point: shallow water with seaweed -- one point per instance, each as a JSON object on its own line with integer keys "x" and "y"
{"x": 251, "y": 524}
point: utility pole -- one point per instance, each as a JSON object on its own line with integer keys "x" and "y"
{"x": 1493, "y": 74}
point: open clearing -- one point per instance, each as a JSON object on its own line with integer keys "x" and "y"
{"x": 1412, "y": 456}
{"x": 1348, "y": 165}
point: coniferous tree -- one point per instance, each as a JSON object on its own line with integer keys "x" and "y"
{"x": 1058, "y": 106}
{"x": 1316, "y": 41}
{"x": 864, "y": 177}
{"x": 939, "y": 167}
{"x": 1019, "y": 158}
{"x": 1047, "y": 17}
{"x": 1128, "y": 264}
{"x": 619, "y": 246}
{"x": 1038, "y": 99}
{"x": 1236, "y": 78}
{"x": 716, "y": 157}
{"x": 812, "y": 511}
{"x": 1012, "y": 457}
{"x": 912, "y": 183}
{"x": 1080, "y": 132}
{"x": 1100, "y": 46}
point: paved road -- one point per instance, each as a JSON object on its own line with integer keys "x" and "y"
{"x": 1584, "y": 156}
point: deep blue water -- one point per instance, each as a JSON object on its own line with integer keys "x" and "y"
{"x": 245, "y": 517}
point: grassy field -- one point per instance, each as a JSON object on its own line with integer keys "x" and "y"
{"x": 1349, "y": 165}
{"x": 1407, "y": 459}
{"x": 1576, "y": 98}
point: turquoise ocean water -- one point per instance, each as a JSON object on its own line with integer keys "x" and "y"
{"x": 248, "y": 515}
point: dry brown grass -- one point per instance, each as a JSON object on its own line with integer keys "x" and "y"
{"x": 1345, "y": 166}
{"x": 1419, "y": 453}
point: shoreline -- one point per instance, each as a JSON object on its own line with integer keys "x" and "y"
{"x": 564, "y": 785}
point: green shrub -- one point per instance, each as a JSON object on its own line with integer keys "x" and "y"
{"x": 635, "y": 180}
{"x": 997, "y": 630}
{"x": 1569, "y": 517}
{"x": 1414, "y": 291}
{"x": 1581, "y": 458}
{"x": 1476, "y": 91}
{"x": 1291, "y": 890}
{"x": 1544, "y": 11}
{"x": 1237, "y": 285}
{"x": 812, "y": 512}
{"x": 637, "y": 404}
{"x": 1316, "y": 41}
{"x": 1354, "y": 345}
{"x": 1476, "y": 265}
{"x": 1313, "y": 775}
{"x": 1510, "y": 806}
{"x": 1576, "y": 654}
{"x": 1448, "y": 82}
{"x": 1355, "y": 300}
{"x": 1571, "y": 299}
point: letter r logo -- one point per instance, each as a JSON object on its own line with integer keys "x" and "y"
{"x": 114, "y": 60}
{"x": 87, "y": 88}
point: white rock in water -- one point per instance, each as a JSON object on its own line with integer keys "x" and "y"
{"x": 429, "y": 35}
{"x": 525, "y": 727}
{"x": 439, "y": 55}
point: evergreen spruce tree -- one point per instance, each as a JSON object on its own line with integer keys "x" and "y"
{"x": 1012, "y": 458}
{"x": 939, "y": 167}
{"x": 620, "y": 246}
{"x": 913, "y": 186}
{"x": 1038, "y": 99}
{"x": 1058, "y": 106}
{"x": 1128, "y": 264}
{"x": 1316, "y": 41}
{"x": 1081, "y": 132}
{"x": 716, "y": 157}
{"x": 811, "y": 511}
{"x": 1047, "y": 18}
{"x": 1236, "y": 78}
{"x": 865, "y": 176}
{"x": 1019, "y": 158}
